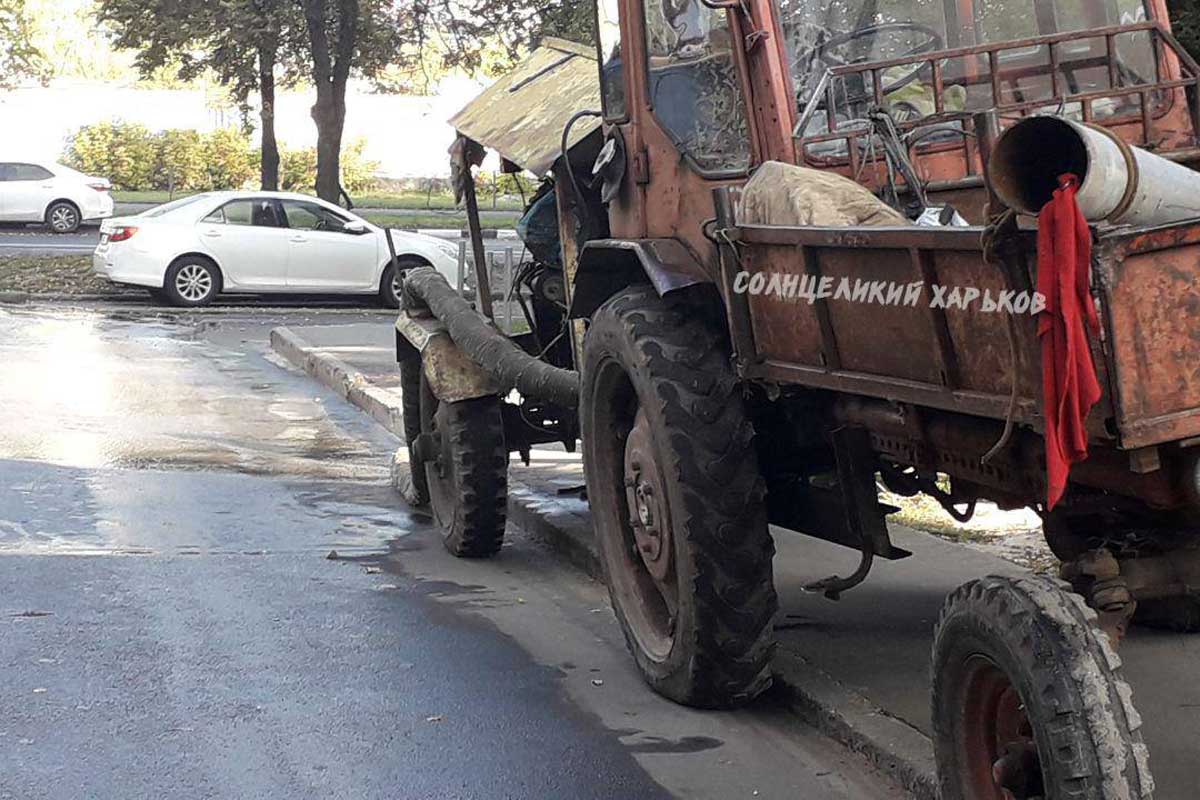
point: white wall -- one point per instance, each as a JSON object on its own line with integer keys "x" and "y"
{"x": 407, "y": 135}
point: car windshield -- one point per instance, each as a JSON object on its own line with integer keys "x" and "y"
{"x": 167, "y": 208}
{"x": 823, "y": 34}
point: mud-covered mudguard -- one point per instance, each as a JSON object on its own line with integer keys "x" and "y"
{"x": 451, "y": 375}
{"x": 608, "y": 265}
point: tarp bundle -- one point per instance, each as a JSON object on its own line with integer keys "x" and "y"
{"x": 784, "y": 194}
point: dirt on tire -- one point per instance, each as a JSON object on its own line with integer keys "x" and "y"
{"x": 469, "y": 497}
{"x": 677, "y": 361}
{"x": 1069, "y": 679}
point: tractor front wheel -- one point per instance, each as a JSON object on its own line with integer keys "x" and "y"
{"x": 1029, "y": 700}
{"x": 466, "y": 471}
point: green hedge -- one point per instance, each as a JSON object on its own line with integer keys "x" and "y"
{"x": 136, "y": 159}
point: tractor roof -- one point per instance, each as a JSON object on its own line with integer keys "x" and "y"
{"x": 522, "y": 115}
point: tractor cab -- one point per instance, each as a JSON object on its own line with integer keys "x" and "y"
{"x": 881, "y": 92}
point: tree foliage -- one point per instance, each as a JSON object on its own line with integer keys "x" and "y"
{"x": 325, "y": 43}
{"x": 20, "y": 59}
{"x": 135, "y": 159}
{"x": 247, "y": 45}
{"x": 1185, "y": 21}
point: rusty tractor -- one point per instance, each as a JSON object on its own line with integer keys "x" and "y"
{"x": 708, "y": 148}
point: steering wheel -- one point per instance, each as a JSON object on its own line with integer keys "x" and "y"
{"x": 933, "y": 42}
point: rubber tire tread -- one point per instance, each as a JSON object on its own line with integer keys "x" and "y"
{"x": 474, "y": 432}
{"x": 682, "y": 365}
{"x": 410, "y": 411}
{"x": 1077, "y": 699}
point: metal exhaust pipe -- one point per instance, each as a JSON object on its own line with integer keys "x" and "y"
{"x": 1121, "y": 184}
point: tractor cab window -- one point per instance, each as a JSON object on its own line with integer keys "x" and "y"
{"x": 695, "y": 91}
{"x": 612, "y": 73}
{"x": 825, "y": 34}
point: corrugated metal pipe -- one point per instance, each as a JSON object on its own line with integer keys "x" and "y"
{"x": 1120, "y": 184}
{"x": 494, "y": 352}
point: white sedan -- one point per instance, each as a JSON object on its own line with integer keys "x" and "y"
{"x": 192, "y": 249}
{"x": 43, "y": 191}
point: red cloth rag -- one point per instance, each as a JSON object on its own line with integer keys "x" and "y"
{"x": 1069, "y": 384}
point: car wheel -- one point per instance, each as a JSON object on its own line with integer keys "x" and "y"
{"x": 192, "y": 281}
{"x": 63, "y": 217}
{"x": 392, "y": 281}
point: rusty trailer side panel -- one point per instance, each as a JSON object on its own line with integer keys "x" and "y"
{"x": 1148, "y": 283}
{"x": 947, "y": 358}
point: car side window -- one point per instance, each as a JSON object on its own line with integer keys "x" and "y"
{"x": 259, "y": 213}
{"x": 312, "y": 217}
{"x": 28, "y": 172}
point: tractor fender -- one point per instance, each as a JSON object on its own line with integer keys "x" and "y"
{"x": 606, "y": 266}
{"x": 451, "y": 374}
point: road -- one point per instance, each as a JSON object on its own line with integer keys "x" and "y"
{"x": 21, "y": 240}
{"x": 210, "y": 591}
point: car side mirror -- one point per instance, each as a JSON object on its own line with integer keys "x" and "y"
{"x": 354, "y": 227}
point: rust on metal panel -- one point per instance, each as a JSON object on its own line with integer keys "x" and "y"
{"x": 783, "y": 330}
{"x": 886, "y": 340}
{"x": 522, "y": 115}
{"x": 451, "y": 374}
{"x": 981, "y": 339}
{"x": 1151, "y": 300}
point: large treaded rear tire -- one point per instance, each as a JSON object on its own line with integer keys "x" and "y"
{"x": 468, "y": 484}
{"x": 1068, "y": 678}
{"x": 676, "y": 368}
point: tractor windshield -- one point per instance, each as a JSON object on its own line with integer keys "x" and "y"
{"x": 825, "y": 34}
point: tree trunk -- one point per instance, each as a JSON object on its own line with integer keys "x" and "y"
{"x": 270, "y": 148}
{"x": 329, "y": 114}
{"x": 330, "y": 75}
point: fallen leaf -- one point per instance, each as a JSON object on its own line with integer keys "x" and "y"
{"x": 333, "y": 556}
{"x": 597, "y": 682}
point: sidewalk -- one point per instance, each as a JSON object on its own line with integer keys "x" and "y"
{"x": 857, "y": 669}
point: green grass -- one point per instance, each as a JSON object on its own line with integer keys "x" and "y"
{"x": 403, "y": 200}
{"x": 438, "y": 221}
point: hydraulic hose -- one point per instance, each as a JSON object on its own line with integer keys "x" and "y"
{"x": 494, "y": 352}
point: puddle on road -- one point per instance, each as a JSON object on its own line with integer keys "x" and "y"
{"x": 90, "y": 390}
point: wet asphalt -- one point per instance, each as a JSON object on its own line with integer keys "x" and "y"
{"x": 208, "y": 590}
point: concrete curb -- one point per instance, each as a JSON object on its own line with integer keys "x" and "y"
{"x": 456, "y": 234}
{"x": 14, "y": 298}
{"x": 383, "y": 406}
{"x": 560, "y": 523}
{"x": 892, "y": 745}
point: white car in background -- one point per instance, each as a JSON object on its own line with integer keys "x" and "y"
{"x": 192, "y": 249}
{"x": 43, "y": 191}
